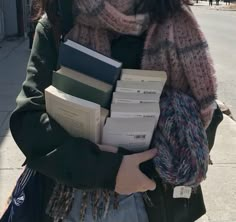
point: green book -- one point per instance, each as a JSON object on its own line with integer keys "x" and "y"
{"x": 82, "y": 86}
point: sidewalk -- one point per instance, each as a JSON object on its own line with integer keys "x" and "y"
{"x": 13, "y": 60}
{"x": 222, "y": 5}
{"x": 219, "y": 188}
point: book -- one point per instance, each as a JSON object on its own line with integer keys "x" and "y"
{"x": 122, "y": 97}
{"x": 140, "y": 87}
{"x": 85, "y": 87}
{"x": 132, "y": 110}
{"x": 143, "y": 75}
{"x": 80, "y": 118}
{"x": 85, "y": 60}
{"x": 104, "y": 116}
{"x": 134, "y": 134}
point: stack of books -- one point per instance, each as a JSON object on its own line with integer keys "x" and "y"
{"x": 134, "y": 110}
{"x": 89, "y": 87}
{"x": 80, "y": 95}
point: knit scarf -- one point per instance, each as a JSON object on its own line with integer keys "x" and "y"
{"x": 176, "y": 46}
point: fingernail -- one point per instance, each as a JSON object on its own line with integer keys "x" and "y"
{"x": 153, "y": 188}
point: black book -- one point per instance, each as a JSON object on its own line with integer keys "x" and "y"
{"x": 92, "y": 63}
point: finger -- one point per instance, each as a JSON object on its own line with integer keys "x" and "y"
{"x": 147, "y": 183}
{"x": 144, "y": 156}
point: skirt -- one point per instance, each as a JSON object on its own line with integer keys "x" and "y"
{"x": 131, "y": 209}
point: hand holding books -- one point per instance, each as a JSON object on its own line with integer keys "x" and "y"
{"x": 130, "y": 179}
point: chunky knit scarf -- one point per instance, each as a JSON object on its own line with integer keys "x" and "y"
{"x": 176, "y": 46}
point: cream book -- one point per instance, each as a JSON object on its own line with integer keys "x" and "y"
{"x": 134, "y": 134}
{"x": 143, "y": 75}
{"x": 140, "y": 87}
{"x": 80, "y": 118}
{"x": 122, "y": 97}
{"x": 132, "y": 110}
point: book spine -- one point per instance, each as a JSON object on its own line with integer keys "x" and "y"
{"x": 133, "y": 141}
{"x": 80, "y": 90}
{"x": 115, "y": 114}
{"x": 133, "y": 90}
{"x": 88, "y": 65}
{"x": 134, "y": 101}
{"x": 140, "y": 78}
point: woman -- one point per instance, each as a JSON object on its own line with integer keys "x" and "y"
{"x": 150, "y": 34}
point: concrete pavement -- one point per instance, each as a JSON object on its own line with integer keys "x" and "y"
{"x": 222, "y": 5}
{"x": 219, "y": 188}
{"x": 13, "y": 59}
{"x": 220, "y": 31}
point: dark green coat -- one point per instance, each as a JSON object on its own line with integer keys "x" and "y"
{"x": 48, "y": 148}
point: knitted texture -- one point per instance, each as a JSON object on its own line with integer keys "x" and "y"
{"x": 176, "y": 46}
{"x": 181, "y": 141}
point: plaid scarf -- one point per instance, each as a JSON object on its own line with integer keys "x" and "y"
{"x": 176, "y": 46}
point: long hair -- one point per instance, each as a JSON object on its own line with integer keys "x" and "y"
{"x": 49, "y": 7}
{"x": 159, "y": 10}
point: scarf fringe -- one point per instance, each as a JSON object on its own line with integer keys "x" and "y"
{"x": 62, "y": 198}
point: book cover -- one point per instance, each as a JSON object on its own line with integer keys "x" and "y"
{"x": 78, "y": 57}
{"x": 82, "y": 86}
{"x": 80, "y": 118}
{"x": 143, "y": 75}
{"x": 134, "y": 134}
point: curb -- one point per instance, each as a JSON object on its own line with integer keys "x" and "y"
{"x": 225, "y": 109}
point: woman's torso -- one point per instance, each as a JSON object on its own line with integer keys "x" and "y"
{"x": 128, "y": 50}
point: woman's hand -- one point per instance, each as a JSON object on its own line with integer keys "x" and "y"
{"x": 129, "y": 178}
{"x": 108, "y": 148}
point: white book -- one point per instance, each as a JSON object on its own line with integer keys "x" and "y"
{"x": 134, "y": 134}
{"x": 122, "y": 97}
{"x": 140, "y": 87}
{"x": 80, "y": 118}
{"x": 143, "y": 75}
{"x": 132, "y": 110}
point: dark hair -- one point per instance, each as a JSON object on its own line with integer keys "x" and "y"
{"x": 159, "y": 10}
{"x": 50, "y": 8}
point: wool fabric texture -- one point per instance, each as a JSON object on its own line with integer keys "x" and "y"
{"x": 181, "y": 141}
{"x": 176, "y": 46}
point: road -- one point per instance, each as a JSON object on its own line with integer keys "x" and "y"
{"x": 220, "y": 30}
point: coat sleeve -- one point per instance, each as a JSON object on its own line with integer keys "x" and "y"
{"x": 48, "y": 148}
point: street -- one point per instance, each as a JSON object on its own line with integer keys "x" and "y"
{"x": 220, "y": 30}
{"x": 220, "y": 186}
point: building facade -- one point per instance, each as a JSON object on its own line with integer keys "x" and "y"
{"x": 13, "y": 17}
